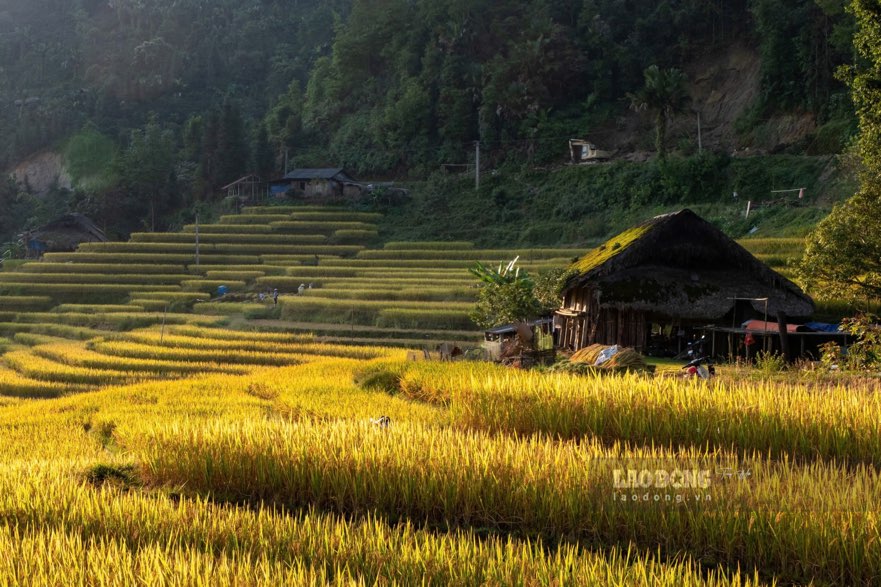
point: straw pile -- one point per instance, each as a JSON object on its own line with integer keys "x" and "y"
{"x": 624, "y": 359}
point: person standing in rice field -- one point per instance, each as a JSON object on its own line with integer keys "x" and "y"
{"x": 275, "y": 296}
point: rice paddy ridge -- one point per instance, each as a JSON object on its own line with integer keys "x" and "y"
{"x": 484, "y": 475}
{"x": 414, "y": 294}
{"x": 35, "y": 365}
{"x": 281, "y": 465}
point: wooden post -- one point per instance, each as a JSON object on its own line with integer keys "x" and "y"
{"x": 197, "y": 240}
{"x": 784, "y": 336}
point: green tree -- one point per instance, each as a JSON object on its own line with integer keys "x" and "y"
{"x": 843, "y": 254}
{"x": 662, "y": 97}
{"x": 232, "y": 147}
{"x": 506, "y": 295}
{"x": 264, "y": 156}
{"x": 146, "y": 171}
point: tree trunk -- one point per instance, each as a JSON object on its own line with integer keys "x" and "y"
{"x": 661, "y": 135}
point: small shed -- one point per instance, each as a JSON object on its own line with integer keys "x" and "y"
{"x": 62, "y": 235}
{"x": 245, "y": 189}
{"x": 657, "y": 283}
{"x": 540, "y": 334}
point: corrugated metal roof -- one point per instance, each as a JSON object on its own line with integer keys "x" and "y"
{"x": 306, "y": 174}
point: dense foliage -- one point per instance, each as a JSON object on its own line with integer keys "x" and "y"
{"x": 383, "y": 88}
{"x": 843, "y": 255}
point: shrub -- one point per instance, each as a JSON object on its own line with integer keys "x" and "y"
{"x": 769, "y": 363}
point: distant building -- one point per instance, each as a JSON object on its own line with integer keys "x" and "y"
{"x": 62, "y": 235}
{"x": 332, "y": 185}
{"x": 319, "y": 184}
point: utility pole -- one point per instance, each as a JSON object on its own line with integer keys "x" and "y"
{"x": 197, "y": 239}
{"x": 476, "y": 165}
{"x": 700, "y": 146}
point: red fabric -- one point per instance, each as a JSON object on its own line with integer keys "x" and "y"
{"x": 761, "y": 326}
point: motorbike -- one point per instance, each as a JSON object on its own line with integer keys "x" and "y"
{"x": 699, "y": 364}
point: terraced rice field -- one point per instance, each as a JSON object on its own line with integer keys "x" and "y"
{"x": 147, "y": 441}
{"x": 210, "y": 455}
{"x": 778, "y": 253}
{"x": 413, "y": 294}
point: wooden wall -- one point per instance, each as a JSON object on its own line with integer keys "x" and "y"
{"x": 593, "y": 324}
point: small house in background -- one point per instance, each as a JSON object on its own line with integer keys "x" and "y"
{"x": 62, "y": 235}
{"x": 333, "y": 185}
{"x": 319, "y": 184}
{"x": 656, "y": 284}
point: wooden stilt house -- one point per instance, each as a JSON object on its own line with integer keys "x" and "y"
{"x": 665, "y": 276}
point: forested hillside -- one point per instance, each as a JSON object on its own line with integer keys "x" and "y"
{"x": 153, "y": 105}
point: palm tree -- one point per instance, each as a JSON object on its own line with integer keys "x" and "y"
{"x": 662, "y": 96}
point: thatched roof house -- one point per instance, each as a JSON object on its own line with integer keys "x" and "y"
{"x": 64, "y": 234}
{"x": 674, "y": 271}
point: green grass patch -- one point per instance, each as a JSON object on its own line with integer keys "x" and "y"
{"x": 470, "y": 254}
{"x": 229, "y": 228}
{"x": 248, "y": 219}
{"x": 286, "y": 283}
{"x": 166, "y": 258}
{"x": 218, "y": 249}
{"x": 443, "y": 263}
{"x": 366, "y": 312}
{"x": 49, "y": 329}
{"x": 96, "y": 278}
{"x": 439, "y": 319}
{"x": 791, "y": 247}
{"x": 13, "y": 264}
{"x": 354, "y": 236}
{"x": 252, "y": 311}
{"x": 234, "y": 275}
{"x": 320, "y": 227}
{"x": 428, "y": 294}
{"x": 19, "y": 303}
{"x": 104, "y": 321}
{"x": 264, "y": 269}
{"x": 224, "y": 239}
{"x": 201, "y": 285}
{"x": 102, "y": 268}
{"x": 432, "y": 245}
{"x": 834, "y": 310}
{"x": 334, "y": 215}
{"x": 99, "y": 308}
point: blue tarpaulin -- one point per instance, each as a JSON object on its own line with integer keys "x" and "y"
{"x": 824, "y": 327}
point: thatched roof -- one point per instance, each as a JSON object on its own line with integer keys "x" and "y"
{"x": 66, "y": 233}
{"x": 681, "y": 265}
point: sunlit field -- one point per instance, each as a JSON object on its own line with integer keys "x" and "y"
{"x": 260, "y": 458}
{"x": 154, "y": 433}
